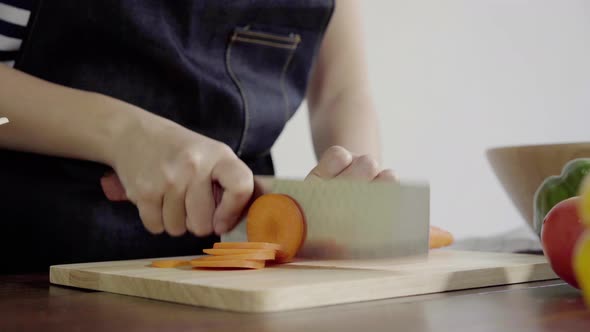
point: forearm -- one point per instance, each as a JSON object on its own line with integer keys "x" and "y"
{"x": 340, "y": 104}
{"x": 55, "y": 120}
{"x": 349, "y": 121}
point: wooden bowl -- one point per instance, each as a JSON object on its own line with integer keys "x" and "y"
{"x": 522, "y": 169}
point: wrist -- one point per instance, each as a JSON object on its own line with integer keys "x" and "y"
{"x": 127, "y": 128}
{"x": 112, "y": 126}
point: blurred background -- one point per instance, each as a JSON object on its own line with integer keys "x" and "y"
{"x": 453, "y": 78}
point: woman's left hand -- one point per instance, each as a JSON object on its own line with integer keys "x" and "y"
{"x": 338, "y": 162}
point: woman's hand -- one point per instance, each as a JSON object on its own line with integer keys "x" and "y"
{"x": 172, "y": 175}
{"x": 337, "y": 162}
{"x": 168, "y": 171}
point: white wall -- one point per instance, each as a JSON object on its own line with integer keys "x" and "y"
{"x": 454, "y": 77}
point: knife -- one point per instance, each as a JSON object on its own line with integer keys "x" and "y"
{"x": 349, "y": 219}
{"x": 3, "y": 121}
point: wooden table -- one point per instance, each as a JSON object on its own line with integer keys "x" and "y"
{"x": 30, "y": 303}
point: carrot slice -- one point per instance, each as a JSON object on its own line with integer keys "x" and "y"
{"x": 439, "y": 238}
{"x": 257, "y": 256}
{"x": 247, "y": 245}
{"x": 223, "y": 252}
{"x": 277, "y": 218}
{"x": 167, "y": 263}
{"x": 237, "y": 263}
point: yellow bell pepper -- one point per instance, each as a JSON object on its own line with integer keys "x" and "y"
{"x": 582, "y": 265}
{"x": 582, "y": 249}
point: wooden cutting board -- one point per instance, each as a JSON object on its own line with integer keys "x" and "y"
{"x": 306, "y": 284}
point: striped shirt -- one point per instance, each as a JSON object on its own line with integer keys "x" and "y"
{"x": 14, "y": 17}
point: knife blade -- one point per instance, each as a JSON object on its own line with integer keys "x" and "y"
{"x": 346, "y": 219}
{"x": 354, "y": 219}
{"x": 3, "y": 121}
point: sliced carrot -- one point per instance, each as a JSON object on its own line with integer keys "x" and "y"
{"x": 258, "y": 256}
{"x": 223, "y": 252}
{"x": 236, "y": 264}
{"x": 439, "y": 238}
{"x": 247, "y": 245}
{"x": 277, "y": 218}
{"x": 167, "y": 263}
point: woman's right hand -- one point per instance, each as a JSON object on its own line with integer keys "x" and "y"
{"x": 172, "y": 175}
{"x": 168, "y": 171}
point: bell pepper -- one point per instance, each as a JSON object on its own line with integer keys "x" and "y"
{"x": 557, "y": 188}
{"x": 582, "y": 265}
{"x": 584, "y": 208}
{"x": 582, "y": 250}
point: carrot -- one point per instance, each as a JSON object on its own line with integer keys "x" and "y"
{"x": 223, "y": 252}
{"x": 236, "y": 264}
{"x": 247, "y": 245}
{"x": 258, "y": 256}
{"x": 168, "y": 263}
{"x": 439, "y": 237}
{"x": 277, "y": 218}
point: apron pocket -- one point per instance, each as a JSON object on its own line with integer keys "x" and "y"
{"x": 257, "y": 59}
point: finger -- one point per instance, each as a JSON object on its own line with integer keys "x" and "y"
{"x": 386, "y": 175}
{"x": 237, "y": 182}
{"x": 332, "y": 163}
{"x": 361, "y": 168}
{"x": 200, "y": 206}
{"x": 150, "y": 213}
{"x": 174, "y": 212}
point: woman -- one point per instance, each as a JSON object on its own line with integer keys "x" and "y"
{"x": 174, "y": 96}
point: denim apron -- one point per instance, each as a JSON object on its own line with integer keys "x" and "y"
{"x": 235, "y": 71}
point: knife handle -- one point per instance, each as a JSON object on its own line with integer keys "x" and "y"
{"x": 113, "y": 188}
